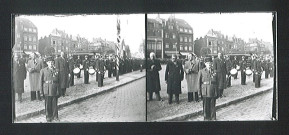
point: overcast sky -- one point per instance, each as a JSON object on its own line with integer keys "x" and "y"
{"x": 242, "y": 25}
{"x": 91, "y": 26}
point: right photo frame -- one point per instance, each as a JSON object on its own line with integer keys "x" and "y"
{"x": 211, "y": 67}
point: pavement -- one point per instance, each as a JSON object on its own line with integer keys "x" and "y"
{"x": 122, "y": 104}
{"x": 158, "y": 111}
{"x": 78, "y": 92}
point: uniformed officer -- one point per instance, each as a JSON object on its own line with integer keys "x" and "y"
{"x": 243, "y": 65}
{"x": 253, "y": 62}
{"x": 85, "y": 64}
{"x": 49, "y": 86}
{"x": 101, "y": 70}
{"x": 207, "y": 86}
{"x": 258, "y": 72}
{"x": 77, "y": 64}
{"x": 229, "y": 66}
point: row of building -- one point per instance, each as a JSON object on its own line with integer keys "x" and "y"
{"x": 175, "y": 36}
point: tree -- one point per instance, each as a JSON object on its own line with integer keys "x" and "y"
{"x": 205, "y": 51}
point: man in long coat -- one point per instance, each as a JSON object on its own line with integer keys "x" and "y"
{"x": 258, "y": 72}
{"x": 19, "y": 75}
{"x": 153, "y": 79}
{"x": 100, "y": 65}
{"x": 207, "y": 87}
{"x": 219, "y": 67}
{"x": 71, "y": 67}
{"x": 86, "y": 64}
{"x": 243, "y": 65}
{"x": 49, "y": 85}
{"x": 174, "y": 75}
{"x": 61, "y": 66}
{"x": 34, "y": 67}
{"x": 253, "y": 62}
{"x": 192, "y": 69}
{"x": 229, "y": 66}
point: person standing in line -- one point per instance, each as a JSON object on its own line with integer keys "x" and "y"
{"x": 153, "y": 79}
{"x": 19, "y": 75}
{"x": 243, "y": 65}
{"x": 101, "y": 71}
{"x": 95, "y": 66}
{"x": 61, "y": 66}
{"x": 34, "y": 67}
{"x": 229, "y": 67}
{"x": 49, "y": 86}
{"x": 258, "y": 72}
{"x": 235, "y": 63}
{"x": 192, "y": 69}
{"x": 219, "y": 66}
{"x": 266, "y": 68}
{"x": 71, "y": 67}
{"x": 252, "y": 65}
{"x": 174, "y": 75}
{"x": 85, "y": 64}
{"x": 77, "y": 64}
{"x": 271, "y": 67}
{"x": 207, "y": 87}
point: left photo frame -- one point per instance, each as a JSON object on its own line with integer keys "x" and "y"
{"x": 78, "y": 68}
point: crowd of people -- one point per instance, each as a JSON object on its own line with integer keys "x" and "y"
{"x": 206, "y": 77}
{"x": 50, "y": 76}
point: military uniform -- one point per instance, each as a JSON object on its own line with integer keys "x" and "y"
{"x": 85, "y": 64}
{"x": 95, "y": 65}
{"x": 208, "y": 90}
{"x": 100, "y": 66}
{"x": 49, "y": 85}
{"x": 266, "y": 68}
{"x": 243, "y": 65}
{"x": 253, "y": 68}
{"x": 258, "y": 73}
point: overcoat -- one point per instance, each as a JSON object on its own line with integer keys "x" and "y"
{"x": 192, "y": 69}
{"x": 206, "y": 84}
{"x": 62, "y": 68}
{"x": 153, "y": 78}
{"x": 174, "y": 74}
{"x": 219, "y": 67}
{"x": 49, "y": 88}
{"x": 33, "y": 67}
{"x": 19, "y": 75}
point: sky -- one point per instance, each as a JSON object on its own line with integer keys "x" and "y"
{"x": 242, "y": 25}
{"x": 93, "y": 26}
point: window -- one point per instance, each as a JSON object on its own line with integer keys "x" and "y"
{"x": 186, "y": 30}
{"x": 34, "y": 39}
{"x": 174, "y": 36}
{"x": 25, "y": 47}
{"x": 159, "y": 46}
{"x": 150, "y": 46}
{"x": 186, "y": 39}
{"x": 34, "y": 30}
{"x": 190, "y": 31}
{"x": 181, "y": 29}
{"x": 167, "y": 45}
{"x": 186, "y": 48}
{"x": 190, "y": 39}
{"x": 53, "y": 42}
{"x": 30, "y": 38}
{"x": 210, "y": 42}
{"x": 174, "y": 46}
{"x": 25, "y": 29}
{"x": 30, "y": 47}
{"x": 34, "y": 47}
{"x": 167, "y": 35}
{"x": 181, "y": 47}
{"x": 25, "y": 38}
{"x": 30, "y": 29}
{"x": 181, "y": 39}
{"x": 190, "y": 48}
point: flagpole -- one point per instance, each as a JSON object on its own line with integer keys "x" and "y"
{"x": 117, "y": 48}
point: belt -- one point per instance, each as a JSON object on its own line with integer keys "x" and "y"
{"x": 51, "y": 82}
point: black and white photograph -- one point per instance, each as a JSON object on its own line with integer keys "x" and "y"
{"x": 211, "y": 67}
{"x": 71, "y": 68}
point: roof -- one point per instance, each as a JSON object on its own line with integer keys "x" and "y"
{"x": 153, "y": 20}
{"x": 183, "y": 23}
{"x": 213, "y": 33}
{"x": 25, "y": 22}
{"x": 60, "y": 33}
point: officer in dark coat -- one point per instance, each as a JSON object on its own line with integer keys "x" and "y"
{"x": 174, "y": 74}
{"x": 229, "y": 66}
{"x": 78, "y": 62}
{"x": 49, "y": 87}
{"x": 219, "y": 66}
{"x": 243, "y": 65}
{"x": 61, "y": 66}
{"x": 153, "y": 79}
{"x": 235, "y": 63}
{"x": 101, "y": 70}
{"x": 71, "y": 67}
{"x": 95, "y": 63}
{"x": 86, "y": 64}
{"x": 19, "y": 75}
{"x": 266, "y": 68}
{"x": 252, "y": 65}
{"x": 258, "y": 72}
{"x": 109, "y": 66}
{"x": 207, "y": 86}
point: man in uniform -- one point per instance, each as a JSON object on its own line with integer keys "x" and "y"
{"x": 77, "y": 64}
{"x": 153, "y": 79}
{"x": 207, "y": 87}
{"x": 71, "y": 67}
{"x": 235, "y": 63}
{"x": 229, "y": 66}
{"x": 49, "y": 85}
{"x": 257, "y": 72}
{"x": 253, "y": 62}
{"x": 86, "y": 64}
{"x": 109, "y": 66}
{"x": 219, "y": 66}
{"x": 266, "y": 68}
{"x": 101, "y": 70}
{"x": 243, "y": 65}
{"x": 192, "y": 69}
{"x": 174, "y": 75}
{"x": 61, "y": 66}
{"x": 95, "y": 64}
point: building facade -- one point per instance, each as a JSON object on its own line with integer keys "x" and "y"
{"x": 155, "y": 36}
{"x": 26, "y": 36}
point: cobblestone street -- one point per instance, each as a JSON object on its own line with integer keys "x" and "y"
{"x": 256, "y": 108}
{"x": 123, "y": 104}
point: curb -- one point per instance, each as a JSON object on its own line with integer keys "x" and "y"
{"x": 72, "y": 101}
{"x": 184, "y": 116}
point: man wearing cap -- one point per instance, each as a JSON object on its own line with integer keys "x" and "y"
{"x": 229, "y": 67}
{"x": 61, "y": 66}
{"x": 243, "y": 65}
{"x": 34, "y": 67}
{"x": 49, "y": 86}
{"x": 258, "y": 72}
{"x": 19, "y": 75}
{"x": 174, "y": 75}
{"x": 100, "y": 65}
{"x": 153, "y": 79}
{"x": 86, "y": 64}
{"x": 207, "y": 87}
{"x": 71, "y": 67}
{"x": 77, "y": 64}
{"x": 219, "y": 67}
{"x": 192, "y": 69}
